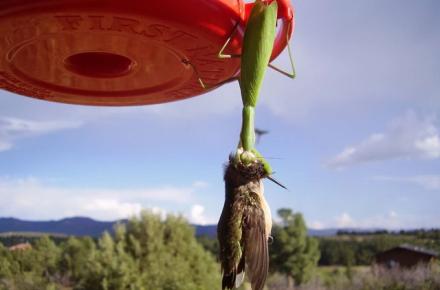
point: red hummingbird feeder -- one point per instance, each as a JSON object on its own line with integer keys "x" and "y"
{"x": 118, "y": 53}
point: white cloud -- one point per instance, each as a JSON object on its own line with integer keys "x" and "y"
{"x": 31, "y": 198}
{"x": 405, "y": 137}
{"x": 12, "y": 129}
{"x": 430, "y": 146}
{"x": 344, "y": 221}
{"x": 200, "y": 184}
{"x": 197, "y": 215}
{"x": 159, "y": 211}
{"x": 102, "y": 206}
{"x": 316, "y": 225}
{"x": 428, "y": 182}
{"x": 389, "y": 220}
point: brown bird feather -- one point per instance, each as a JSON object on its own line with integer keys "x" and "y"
{"x": 242, "y": 227}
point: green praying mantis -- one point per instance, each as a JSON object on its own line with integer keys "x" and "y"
{"x": 257, "y": 48}
{"x": 245, "y": 224}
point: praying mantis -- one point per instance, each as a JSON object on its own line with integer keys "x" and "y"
{"x": 245, "y": 224}
{"x": 257, "y": 47}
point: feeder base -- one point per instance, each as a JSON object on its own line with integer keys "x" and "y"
{"x": 116, "y": 53}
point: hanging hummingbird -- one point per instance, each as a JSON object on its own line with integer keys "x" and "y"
{"x": 244, "y": 227}
{"x": 246, "y": 222}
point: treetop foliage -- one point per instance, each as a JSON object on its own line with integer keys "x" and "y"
{"x": 293, "y": 253}
{"x": 146, "y": 253}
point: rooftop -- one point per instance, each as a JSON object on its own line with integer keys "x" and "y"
{"x": 415, "y": 249}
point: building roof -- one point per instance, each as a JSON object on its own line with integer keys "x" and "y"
{"x": 413, "y": 248}
{"x": 21, "y": 246}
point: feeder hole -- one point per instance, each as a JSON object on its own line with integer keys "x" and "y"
{"x": 99, "y": 64}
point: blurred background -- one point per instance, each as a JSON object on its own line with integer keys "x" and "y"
{"x": 355, "y": 137}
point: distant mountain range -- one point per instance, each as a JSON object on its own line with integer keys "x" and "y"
{"x": 76, "y": 226}
{"x": 83, "y": 226}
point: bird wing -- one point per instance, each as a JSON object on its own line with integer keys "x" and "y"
{"x": 242, "y": 230}
{"x": 230, "y": 237}
{"x": 255, "y": 243}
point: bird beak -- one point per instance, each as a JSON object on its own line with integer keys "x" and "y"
{"x": 276, "y": 182}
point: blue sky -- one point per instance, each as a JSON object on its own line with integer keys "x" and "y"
{"x": 355, "y": 138}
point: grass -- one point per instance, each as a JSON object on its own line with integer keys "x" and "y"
{"x": 365, "y": 278}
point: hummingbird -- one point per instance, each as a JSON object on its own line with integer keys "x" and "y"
{"x": 245, "y": 225}
{"x": 259, "y": 133}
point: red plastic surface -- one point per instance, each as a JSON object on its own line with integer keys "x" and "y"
{"x": 117, "y": 53}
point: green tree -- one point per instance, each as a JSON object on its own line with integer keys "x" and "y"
{"x": 209, "y": 243}
{"x": 151, "y": 253}
{"x": 46, "y": 257}
{"x": 77, "y": 254}
{"x": 34, "y": 268}
{"x": 146, "y": 253}
{"x": 170, "y": 255}
{"x": 293, "y": 253}
{"x": 6, "y": 263}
